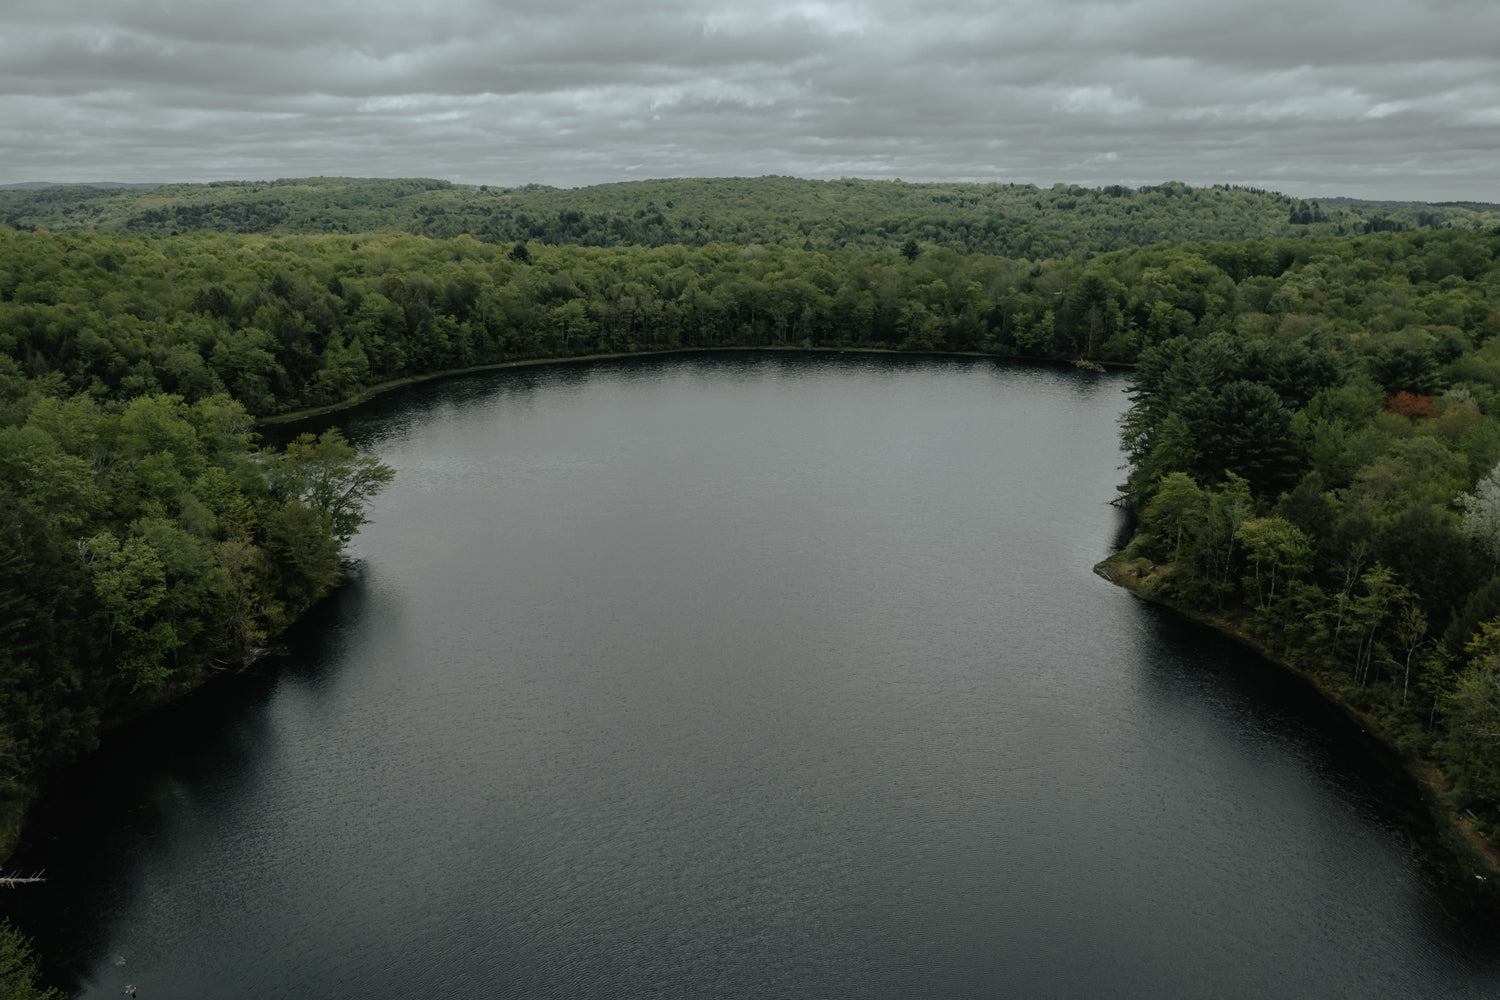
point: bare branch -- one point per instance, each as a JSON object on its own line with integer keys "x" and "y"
{"x": 11, "y": 881}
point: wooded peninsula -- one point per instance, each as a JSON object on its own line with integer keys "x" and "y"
{"x": 1313, "y": 435}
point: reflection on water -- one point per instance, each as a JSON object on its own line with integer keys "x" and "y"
{"x": 748, "y": 676}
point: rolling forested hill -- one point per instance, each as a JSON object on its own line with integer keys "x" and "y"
{"x": 1013, "y": 220}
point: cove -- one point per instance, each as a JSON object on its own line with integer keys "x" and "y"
{"x": 747, "y": 676}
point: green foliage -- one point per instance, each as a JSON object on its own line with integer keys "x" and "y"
{"x": 306, "y": 558}
{"x": 37, "y": 468}
{"x": 995, "y": 218}
{"x": 1474, "y": 704}
{"x": 1018, "y": 220}
{"x": 1347, "y": 524}
{"x": 328, "y": 476}
{"x": 130, "y": 584}
{"x": 1278, "y": 551}
{"x": 19, "y": 976}
{"x": 52, "y": 658}
{"x": 1473, "y": 707}
{"x": 141, "y": 545}
{"x": 1178, "y": 511}
{"x": 295, "y": 321}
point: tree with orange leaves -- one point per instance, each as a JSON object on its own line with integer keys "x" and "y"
{"x": 1411, "y": 405}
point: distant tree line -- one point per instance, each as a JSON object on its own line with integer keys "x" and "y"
{"x": 1012, "y": 220}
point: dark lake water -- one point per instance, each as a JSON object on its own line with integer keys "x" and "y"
{"x": 749, "y": 676}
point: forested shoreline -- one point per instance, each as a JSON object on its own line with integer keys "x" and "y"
{"x": 1335, "y": 498}
{"x": 144, "y": 546}
{"x": 285, "y": 323}
{"x": 1313, "y": 437}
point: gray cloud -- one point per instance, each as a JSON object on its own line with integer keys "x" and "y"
{"x": 1375, "y": 98}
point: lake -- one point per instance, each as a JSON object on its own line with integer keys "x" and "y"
{"x": 747, "y": 675}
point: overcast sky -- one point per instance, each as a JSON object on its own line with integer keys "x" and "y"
{"x": 1366, "y": 98}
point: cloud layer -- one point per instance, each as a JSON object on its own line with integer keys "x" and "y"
{"x": 1375, "y": 98}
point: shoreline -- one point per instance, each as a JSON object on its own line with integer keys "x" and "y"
{"x": 14, "y": 813}
{"x": 1451, "y": 845}
{"x": 370, "y": 392}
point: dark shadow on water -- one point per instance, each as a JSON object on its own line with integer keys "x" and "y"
{"x": 92, "y": 829}
{"x": 1124, "y": 523}
{"x": 412, "y": 402}
{"x": 1271, "y": 710}
{"x": 368, "y": 422}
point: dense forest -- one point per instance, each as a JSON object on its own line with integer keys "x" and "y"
{"x": 1013, "y": 220}
{"x": 143, "y": 545}
{"x": 1313, "y": 438}
{"x": 1329, "y": 485}
{"x": 282, "y": 323}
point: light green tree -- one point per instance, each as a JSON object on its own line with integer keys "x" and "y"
{"x": 1179, "y": 509}
{"x": 20, "y": 978}
{"x": 130, "y": 582}
{"x": 37, "y": 468}
{"x": 330, "y": 477}
{"x": 1277, "y": 550}
{"x": 1474, "y": 703}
